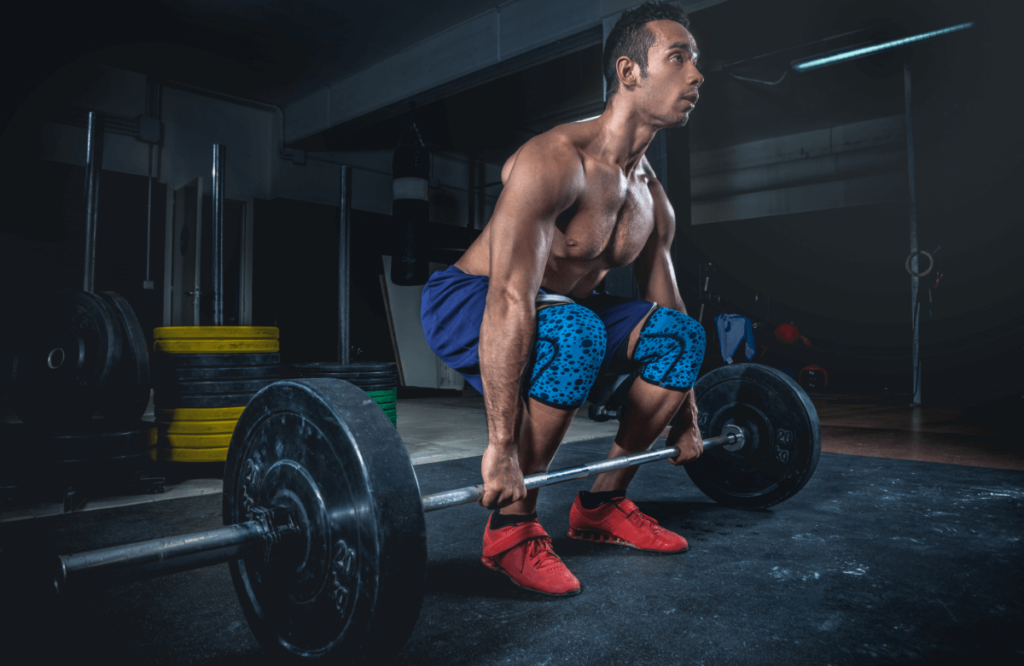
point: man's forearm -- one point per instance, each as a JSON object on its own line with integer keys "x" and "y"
{"x": 670, "y": 302}
{"x": 506, "y": 336}
{"x": 658, "y": 284}
{"x": 666, "y": 297}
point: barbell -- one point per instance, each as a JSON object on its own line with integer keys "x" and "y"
{"x": 325, "y": 533}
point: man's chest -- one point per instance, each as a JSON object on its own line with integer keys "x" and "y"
{"x": 609, "y": 225}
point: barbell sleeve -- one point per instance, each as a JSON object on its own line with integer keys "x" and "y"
{"x": 157, "y": 557}
{"x": 469, "y": 494}
{"x": 167, "y": 555}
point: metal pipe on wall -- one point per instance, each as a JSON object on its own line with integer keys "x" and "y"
{"x": 93, "y": 165}
{"x": 915, "y": 307}
{"x": 471, "y": 192}
{"x": 344, "y": 227}
{"x": 154, "y": 103}
{"x": 217, "y": 235}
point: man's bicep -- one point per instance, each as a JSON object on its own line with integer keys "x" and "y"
{"x": 542, "y": 184}
{"x": 519, "y": 251}
{"x": 654, "y": 270}
{"x": 659, "y": 243}
{"x": 545, "y": 179}
{"x": 664, "y": 216}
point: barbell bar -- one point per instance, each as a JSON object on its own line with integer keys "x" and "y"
{"x": 731, "y": 436}
{"x": 194, "y": 550}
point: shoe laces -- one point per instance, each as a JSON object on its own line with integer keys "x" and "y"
{"x": 541, "y": 554}
{"x": 642, "y": 520}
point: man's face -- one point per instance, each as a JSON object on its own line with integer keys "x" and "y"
{"x": 669, "y": 93}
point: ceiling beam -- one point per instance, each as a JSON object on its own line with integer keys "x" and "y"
{"x": 505, "y": 35}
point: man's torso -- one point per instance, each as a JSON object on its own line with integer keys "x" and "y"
{"x": 606, "y": 227}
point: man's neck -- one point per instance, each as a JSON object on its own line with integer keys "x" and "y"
{"x": 622, "y": 136}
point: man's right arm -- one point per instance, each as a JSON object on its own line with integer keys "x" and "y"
{"x": 546, "y": 179}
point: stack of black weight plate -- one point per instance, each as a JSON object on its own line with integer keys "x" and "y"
{"x": 99, "y": 457}
{"x": 378, "y": 380}
{"x": 79, "y": 354}
{"x": 199, "y": 398}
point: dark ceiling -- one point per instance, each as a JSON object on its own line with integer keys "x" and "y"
{"x": 270, "y": 50}
{"x": 275, "y": 51}
{"x": 738, "y": 39}
{"x": 490, "y": 120}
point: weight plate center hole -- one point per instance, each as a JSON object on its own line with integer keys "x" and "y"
{"x": 749, "y": 420}
{"x": 742, "y": 433}
{"x": 301, "y": 563}
{"x": 55, "y": 358}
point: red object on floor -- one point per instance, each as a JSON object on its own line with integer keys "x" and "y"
{"x": 621, "y": 522}
{"x": 813, "y": 378}
{"x": 787, "y": 334}
{"x": 523, "y": 552}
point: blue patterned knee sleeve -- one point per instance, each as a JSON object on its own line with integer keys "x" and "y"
{"x": 671, "y": 349}
{"x": 570, "y": 347}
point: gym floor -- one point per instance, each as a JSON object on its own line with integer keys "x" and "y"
{"x": 905, "y": 547}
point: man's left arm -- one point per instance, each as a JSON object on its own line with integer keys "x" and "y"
{"x": 653, "y": 269}
{"x": 656, "y": 277}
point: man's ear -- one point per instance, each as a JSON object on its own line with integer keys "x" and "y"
{"x": 628, "y": 71}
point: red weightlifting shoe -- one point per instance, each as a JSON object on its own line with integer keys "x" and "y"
{"x": 523, "y": 553}
{"x": 621, "y": 522}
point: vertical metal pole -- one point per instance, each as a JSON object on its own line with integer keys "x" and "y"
{"x": 914, "y": 281}
{"x": 171, "y": 289}
{"x": 344, "y": 229}
{"x": 147, "y": 283}
{"x": 93, "y": 164}
{"x": 198, "y": 241}
{"x": 217, "y": 234}
{"x": 245, "y": 308}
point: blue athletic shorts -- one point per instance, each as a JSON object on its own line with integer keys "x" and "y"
{"x": 453, "y": 309}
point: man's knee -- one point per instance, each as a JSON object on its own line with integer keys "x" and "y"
{"x": 670, "y": 349}
{"x": 571, "y": 343}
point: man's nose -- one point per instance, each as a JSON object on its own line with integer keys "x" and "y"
{"x": 696, "y": 78}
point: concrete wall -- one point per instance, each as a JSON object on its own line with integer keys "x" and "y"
{"x": 835, "y": 267}
{"x": 257, "y": 164}
{"x": 849, "y": 165}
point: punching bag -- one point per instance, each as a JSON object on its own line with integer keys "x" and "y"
{"x": 410, "y": 172}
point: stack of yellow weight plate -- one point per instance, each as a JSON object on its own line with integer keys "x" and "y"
{"x": 203, "y": 376}
{"x": 216, "y": 340}
{"x": 194, "y": 435}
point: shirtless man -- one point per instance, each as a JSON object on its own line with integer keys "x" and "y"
{"x": 578, "y": 201}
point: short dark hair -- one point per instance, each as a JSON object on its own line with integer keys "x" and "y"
{"x": 632, "y": 38}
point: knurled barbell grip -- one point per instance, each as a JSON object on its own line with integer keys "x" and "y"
{"x": 469, "y": 494}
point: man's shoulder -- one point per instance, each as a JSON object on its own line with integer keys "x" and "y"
{"x": 559, "y": 142}
{"x": 553, "y": 154}
{"x": 648, "y": 174}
